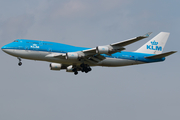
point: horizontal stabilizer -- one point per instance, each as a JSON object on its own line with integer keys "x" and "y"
{"x": 158, "y": 56}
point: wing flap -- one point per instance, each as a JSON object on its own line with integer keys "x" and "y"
{"x": 158, "y": 56}
{"x": 90, "y": 61}
{"x": 94, "y": 59}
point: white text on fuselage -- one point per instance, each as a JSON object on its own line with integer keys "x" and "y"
{"x": 34, "y": 46}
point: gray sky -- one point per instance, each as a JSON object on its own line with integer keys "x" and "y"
{"x": 141, "y": 92}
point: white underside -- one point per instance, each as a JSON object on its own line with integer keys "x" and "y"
{"x": 40, "y": 55}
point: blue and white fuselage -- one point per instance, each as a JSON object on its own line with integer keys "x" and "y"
{"x": 75, "y": 59}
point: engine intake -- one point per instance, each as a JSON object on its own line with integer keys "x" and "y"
{"x": 69, "y": 68}
{"x": 72, "y": 56}
{"x": 55, "y": 66}
{"x": 102, "y": 50}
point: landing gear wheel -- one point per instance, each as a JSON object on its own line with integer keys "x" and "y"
{"x": 85, "y": 68}
{"x": 89, "y": 69}
{"x": 76, "y": 73}
{"x": 20, "y": 63}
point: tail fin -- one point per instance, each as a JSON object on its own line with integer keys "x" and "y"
{"x": 155, "y": 45}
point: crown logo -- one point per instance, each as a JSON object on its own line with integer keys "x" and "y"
{"x": 154, "y": 43}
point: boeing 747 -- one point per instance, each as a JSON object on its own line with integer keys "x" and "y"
{"x": 74, "y": 59}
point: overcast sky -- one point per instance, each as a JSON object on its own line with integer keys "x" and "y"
{"x": 141, "y": 92}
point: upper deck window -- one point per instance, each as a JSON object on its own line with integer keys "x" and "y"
{"x": 16, "y": 41}
{"x": 47, "y": 44}
{"x": 33, "y": 42}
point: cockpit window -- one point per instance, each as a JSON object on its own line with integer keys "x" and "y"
{"x": 16, "y": 41}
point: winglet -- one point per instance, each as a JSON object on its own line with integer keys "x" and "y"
{"x": 147, "y": 34}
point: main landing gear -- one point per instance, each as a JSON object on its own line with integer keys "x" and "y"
{"x": 20, "y": 63}
{"x": 83, "y": 68}
{"x": 75, "y": 71}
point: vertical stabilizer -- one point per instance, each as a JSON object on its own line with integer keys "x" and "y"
{"x": 155, "y": 45}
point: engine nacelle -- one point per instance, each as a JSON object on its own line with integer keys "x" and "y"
{"x": 69, "y": 68}
{"x": 72, "y": 56}
{"x": 102, "y": 50}
{"x": 55, "y": 66}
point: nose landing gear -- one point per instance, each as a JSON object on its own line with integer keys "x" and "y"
{"x": 20, "y": 63}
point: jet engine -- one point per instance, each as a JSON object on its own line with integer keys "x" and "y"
{"x": 55, "y": 66}
{"x": 69, "y": 68}
{"x": 102, "y": 50}
{"x": 72, "y": 56}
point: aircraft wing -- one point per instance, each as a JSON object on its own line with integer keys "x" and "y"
{"x": 119, "y": 46}
{"x": 93, "y": 55}
{"x": 130, "y": 41}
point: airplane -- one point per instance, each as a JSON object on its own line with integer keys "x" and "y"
{"x": 74, "y": 59}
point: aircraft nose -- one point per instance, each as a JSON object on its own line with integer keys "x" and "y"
{"x": 6, "y": 49}
{"x": 3, "y": 48}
